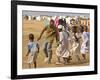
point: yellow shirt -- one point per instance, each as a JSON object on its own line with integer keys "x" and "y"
{"x": 50, "y": 33}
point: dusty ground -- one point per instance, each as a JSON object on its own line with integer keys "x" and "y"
{"x": 35, "y": 27}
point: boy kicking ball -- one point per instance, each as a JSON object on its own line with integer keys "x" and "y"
{"x": 33, "y": 50}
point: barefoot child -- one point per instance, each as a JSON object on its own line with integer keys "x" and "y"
{"x": 62, "y": 49}
{"x": 75, "y": 50}
{"x": 33, "y": 50}
{"x": 85, "y": 43}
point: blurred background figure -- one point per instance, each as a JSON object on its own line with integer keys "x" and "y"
{"x": 85, "y": 44}
{"x": 46, "y": 21}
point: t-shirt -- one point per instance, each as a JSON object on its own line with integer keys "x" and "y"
{"x": 50, "y": 33}
{"x": 33, "y": 47}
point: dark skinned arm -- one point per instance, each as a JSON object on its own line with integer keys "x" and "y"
{"x": 28, "y": 52}
{"x": 41, "y": 34}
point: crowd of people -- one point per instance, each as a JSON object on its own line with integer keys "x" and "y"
{"x": 69, "y": 40}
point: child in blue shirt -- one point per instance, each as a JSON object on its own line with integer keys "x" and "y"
{"x": 33, "y": 50}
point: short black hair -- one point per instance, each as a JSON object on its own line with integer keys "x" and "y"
{"x": 31, "y": 36}
{"x": 61, "y": 21}
{"x": 81, "y": 28}
{"x": 86, "y": 28}
{"x": 74, "y": 29}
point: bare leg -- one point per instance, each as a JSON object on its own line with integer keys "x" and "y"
{"x": 58, "y": 58}
{"x": 84, "y": 56}
{"x": 68, "y": 59}
{"x": 65, "y": 60}
{"x": 29, "y": 65}
{"x": 35, "y": 64}
{"x": 78, "y": 58}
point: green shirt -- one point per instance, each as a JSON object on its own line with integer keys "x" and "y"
{"x": 50, "y": 33}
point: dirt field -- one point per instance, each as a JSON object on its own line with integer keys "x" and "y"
{"x": 35, "y": 27}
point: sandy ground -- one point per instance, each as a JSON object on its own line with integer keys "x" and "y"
{"x": 35, "y": 27}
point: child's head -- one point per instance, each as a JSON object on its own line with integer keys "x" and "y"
{"x": 85, "y": 28}
{"x": 60, "y": 21}
{"x": 81, "y": 29}
{"x": 31, "y": 37}
{"x": 74, "y": 29}
{"x": 51, "y": 22}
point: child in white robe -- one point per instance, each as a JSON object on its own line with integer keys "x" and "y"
{"x": 75, "y": 50}
{"x": 85, "y": 43}
{"x": 62, "y": 49}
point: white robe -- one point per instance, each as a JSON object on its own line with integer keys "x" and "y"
{"x": 76, "y": 45}
{"x": 62, "y": 49}
{"x": 84, "y": 46}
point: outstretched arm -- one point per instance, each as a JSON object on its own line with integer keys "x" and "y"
{"x": 41, "y": 34}
{"x": 28, "y": 52}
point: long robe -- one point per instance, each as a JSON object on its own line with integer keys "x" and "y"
{"x": 62, "y": 49}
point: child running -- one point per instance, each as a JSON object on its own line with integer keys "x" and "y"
{"x": 62, "y": 49}
{"x": 85, "y": 43}
{"x": 33, "y": 50}
{"x": 75, "y": 50}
